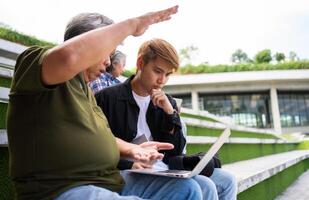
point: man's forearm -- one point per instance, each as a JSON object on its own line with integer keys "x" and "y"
{"x": 83, "y": 51}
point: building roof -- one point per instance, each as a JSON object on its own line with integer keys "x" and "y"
{"x": 232, "y": 77}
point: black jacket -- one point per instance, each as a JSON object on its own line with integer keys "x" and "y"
{"x": 121, "y": 110}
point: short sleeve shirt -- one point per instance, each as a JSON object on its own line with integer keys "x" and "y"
{"x": 58, "y": 137}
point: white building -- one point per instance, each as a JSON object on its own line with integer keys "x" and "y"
{"x": 277, "y": 100}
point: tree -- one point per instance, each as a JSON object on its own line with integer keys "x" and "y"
{"x": 293, "y": 56}
{"x": 239, "y": 56}
{"x": 263, "y": 56}
{"x": 279, "y": 57}
{"x": 185, "y": 54}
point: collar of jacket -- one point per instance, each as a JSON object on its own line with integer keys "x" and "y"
{"x": 126, "y": 93}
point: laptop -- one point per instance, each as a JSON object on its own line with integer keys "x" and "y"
{"x": 198, "y": 168}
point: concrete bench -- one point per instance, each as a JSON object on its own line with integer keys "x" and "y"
{"x": 3, "y": 138}
{"x": 235, "y": 140}
{"x": 4, "y": 94}
{"x": 10, "y": 50}
{"x": 259, "y": 176}
{"x": 253, "y": 171}
{"x": 249, "y": 172}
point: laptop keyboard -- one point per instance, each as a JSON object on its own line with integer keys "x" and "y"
{"x": 169, "y": 171}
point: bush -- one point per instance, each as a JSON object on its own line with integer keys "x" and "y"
{"x": 191, "y": 69}
{"x": 14, "y": 36}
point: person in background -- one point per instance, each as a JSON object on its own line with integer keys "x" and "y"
{"x": 113, "y": 71}
{"x": 61, "y": 146}
{"x": 152, "y": 115}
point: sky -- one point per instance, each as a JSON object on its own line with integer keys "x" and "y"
{"x": 216, "y": 27}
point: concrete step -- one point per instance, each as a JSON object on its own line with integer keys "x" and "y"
{"x": 10, "y": 50}
{"x": 253, "y": 171}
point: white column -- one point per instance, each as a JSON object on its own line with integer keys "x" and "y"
{"x": 275, "y": 109}
{"x": 194, "y": 100}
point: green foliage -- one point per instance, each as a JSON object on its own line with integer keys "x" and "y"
{"x": 128, "y": 73}
{"x": 304, "y": 145}
{"x": 263, "y": 56}
{"x": 239, "y": 56}
{"x": 14, "y": 36}
{"x": 205, "y": 68}
{"x": 3, "y": 110}
{"x": 279, "y": 57}
{"x": 5, "y": 82}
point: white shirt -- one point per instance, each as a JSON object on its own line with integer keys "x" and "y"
{"x": 142, "y": 126}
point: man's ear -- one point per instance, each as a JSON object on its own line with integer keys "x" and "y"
{"x": 139, "y": 63}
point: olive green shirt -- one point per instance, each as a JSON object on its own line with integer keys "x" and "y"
{"x": 58, "y": 137}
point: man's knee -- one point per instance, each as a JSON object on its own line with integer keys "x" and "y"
{"x": 192, "y": 188}
{"x": 87, "y": 192}
{"x": 230, "y": 177}
{"x": 205, "y": 182}
{"x": 225, "y": 179}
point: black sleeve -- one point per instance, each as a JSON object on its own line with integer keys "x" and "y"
{"x": 99, "y": 97}
{"x": 171, "y": 122}
{"x": 172, "y": 132}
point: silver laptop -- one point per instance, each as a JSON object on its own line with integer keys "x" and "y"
{"x": 198, "y": 168}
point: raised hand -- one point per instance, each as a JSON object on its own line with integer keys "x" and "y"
{"x": 143, "y": 22}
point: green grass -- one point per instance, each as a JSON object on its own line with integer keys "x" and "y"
{"x": 5, "y": 82}
{"x": 17, "y": 37}
{"x": 3, "y": 109}
{"x": 197, "y": 117}
{"x": 129, "y": 72}
{"x": 204, "y": 131}
{"x": 270, "y": 188}
{"x": 303, "y": 145}
{"x": 236, "y": 152}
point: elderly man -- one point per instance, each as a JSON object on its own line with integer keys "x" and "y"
{"x": 60, "y": 142}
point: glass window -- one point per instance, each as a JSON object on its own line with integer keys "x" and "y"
{"x": 294, "y": 108}
{"x": 249, "y": 109}
{"x": 186, "y": 100}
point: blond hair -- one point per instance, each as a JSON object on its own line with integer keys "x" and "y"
{"x": 159, "y": 48}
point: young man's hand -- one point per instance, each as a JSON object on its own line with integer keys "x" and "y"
{"x": 160, "y": 99}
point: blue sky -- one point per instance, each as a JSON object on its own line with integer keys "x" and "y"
{"x": 217, "y": 28}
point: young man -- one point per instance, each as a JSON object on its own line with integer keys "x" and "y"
{"x": 139, "y": 110}
{"x": 60, "y": 143}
